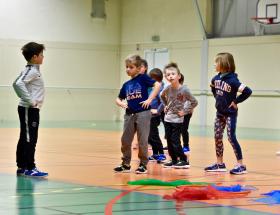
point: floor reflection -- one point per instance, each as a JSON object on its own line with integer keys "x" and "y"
{"x": 26, "y": 195}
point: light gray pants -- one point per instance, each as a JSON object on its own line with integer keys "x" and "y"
{"x": 136, "y": 123}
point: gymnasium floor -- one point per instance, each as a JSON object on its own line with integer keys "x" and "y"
{"x": 80, "y": 156}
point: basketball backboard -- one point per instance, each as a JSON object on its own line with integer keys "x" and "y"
{"x": 268, "y": 11}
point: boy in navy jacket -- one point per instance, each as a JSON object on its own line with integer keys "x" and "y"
{"x": 135, "y": 99}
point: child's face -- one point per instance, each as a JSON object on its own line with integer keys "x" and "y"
{"x": 143, "y": 69}
{"x": 172, "y": 76}
{"x": 37, "y": 59}
{"x": 218, "y": 68}
{"x": 132, "y": 70}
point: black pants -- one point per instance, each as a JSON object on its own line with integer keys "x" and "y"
{"x": 185, "y": 128}
{"x": 29, "y": 124}
{"x": 173, "y": 132}
{"x": 154, "y": 139}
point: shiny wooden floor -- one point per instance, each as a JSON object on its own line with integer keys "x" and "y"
{"x": 81, "y": 180}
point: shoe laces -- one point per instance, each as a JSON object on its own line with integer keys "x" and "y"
{"x": 36, "y": 170}
{"x": 237, "y": 166}
{"x": 214, "y": 164}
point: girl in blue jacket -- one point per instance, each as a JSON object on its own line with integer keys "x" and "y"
{"x": 225, "y": 86}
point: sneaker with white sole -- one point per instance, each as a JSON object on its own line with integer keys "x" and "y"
{"x": 36, "y": 173}
{"x": 182, "y": 165}
{"x": 122, "y": 168}
{"x": 216, "y": 168}
{"x": 238, "y": 170}
{"x": 169, "y": 164}
{"x": 142, "y": 169}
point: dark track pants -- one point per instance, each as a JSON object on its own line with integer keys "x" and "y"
{"x": 29, "y": 124}
{"x": 154, "y": 138}
{"x": 185, "y": 130}
{"x": 173, "y": 132}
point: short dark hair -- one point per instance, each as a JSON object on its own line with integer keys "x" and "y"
{"x": 144, "y": 63}
{"x": 31, "y": 49}
{"x": 172, "y": 66}
{"x": 181, "y": 80}
{"x": 156, "y": 74}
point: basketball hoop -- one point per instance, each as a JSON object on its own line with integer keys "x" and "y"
{"x": 259, "y": 24}
{"x": 264, "y": 20}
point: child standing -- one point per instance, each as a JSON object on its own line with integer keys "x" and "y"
{"x": 137, "y": 113}
{"x": 143, "y": 70}
{"x": 29, "y": 87}
{"x": 174, "y": 97}
{"x": 156, "y": 110}
{"x": 225, "y": 86}
{"x": 186, "y": 122}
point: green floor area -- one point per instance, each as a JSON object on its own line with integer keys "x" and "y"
{"x": 243, "y": 133}
{"x": 27, "y": 196}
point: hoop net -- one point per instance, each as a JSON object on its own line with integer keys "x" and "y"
{"x": 259, "y": 24}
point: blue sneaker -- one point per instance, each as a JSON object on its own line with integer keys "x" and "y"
{"x": 186, "y": 149}
{"x": 216, "y": 168}
{"x": 20, "y": 171}
{"x": 153, "y": 157}
{"x": 35, "y": 173}
{"x": 161, "y": 157}
{"x": 238, "y": 170}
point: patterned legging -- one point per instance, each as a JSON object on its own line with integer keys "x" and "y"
{"x": 230, "y": 122}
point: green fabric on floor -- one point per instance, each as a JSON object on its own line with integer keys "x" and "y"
{"x": 156, "y": 182}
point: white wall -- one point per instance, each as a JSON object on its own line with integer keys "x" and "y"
{"x": 176, "y": 23}
{"x": 142, "y": 19}
{"x": 58, "y": 20}
{"x": 81, "y": 52}
{"x": 178, "y": 27}
{"x": 84, "y": 59}
{"x": 258, "y": 66}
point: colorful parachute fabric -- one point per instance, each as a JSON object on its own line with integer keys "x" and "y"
{"x": 234, "y": 188}
{"x": 187, "y": 190}
{"x": 185, "y": 193}
{"x": 272, "y": 198}
{"x": 156, "y": 182}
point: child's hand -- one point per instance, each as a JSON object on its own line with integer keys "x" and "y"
{"x": 123, "y": 105}
{"x": 154, "y": 111}
{"x": 145, "y": 104}
{"x": 233, "y": 105}
{"x": 165, "y": 109}
{"x": 181, "y": 113}
{"x": 34, "y": 104}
